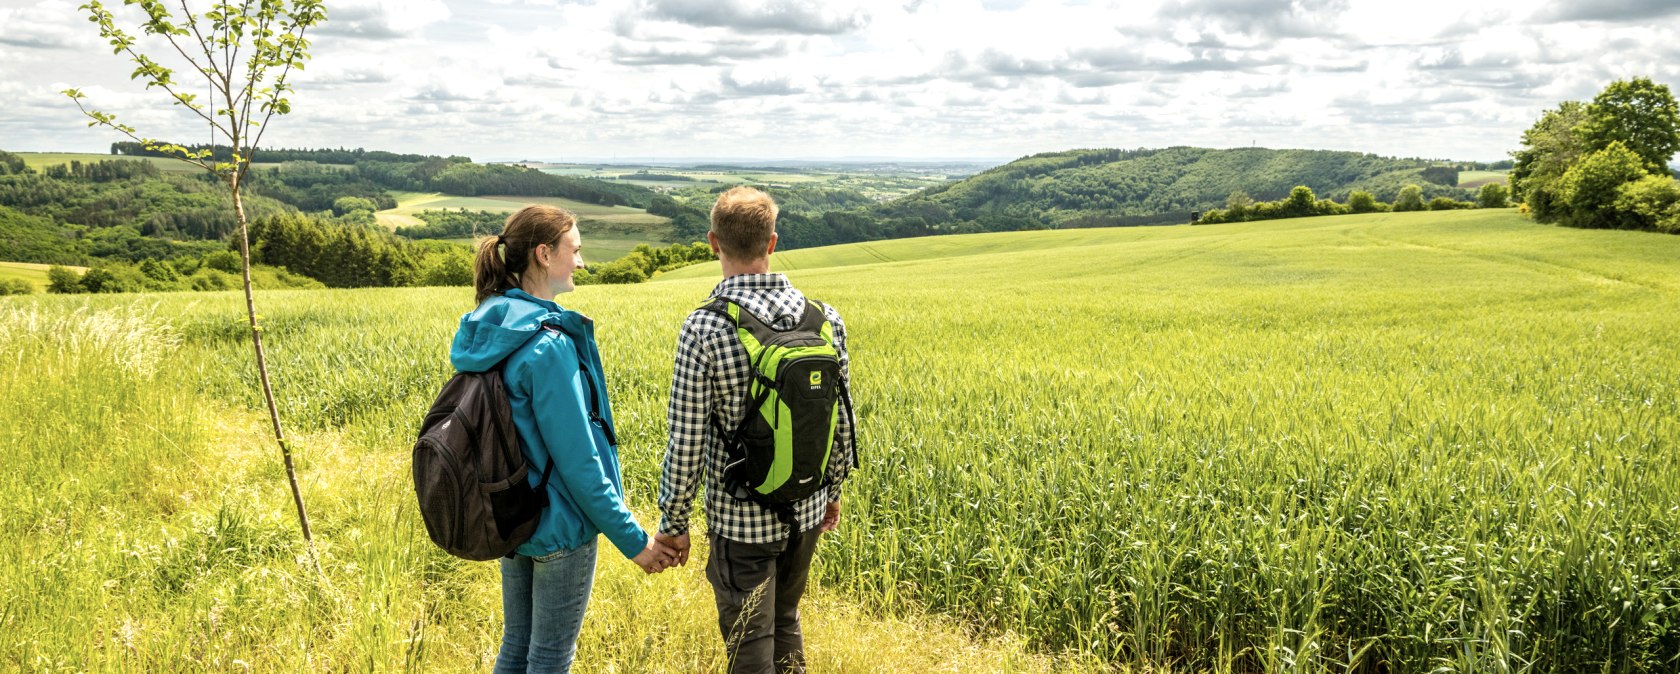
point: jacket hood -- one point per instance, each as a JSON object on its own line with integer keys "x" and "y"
{"x": 504, "y": 323}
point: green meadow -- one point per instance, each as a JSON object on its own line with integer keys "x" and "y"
{"x": 610, "y": 232}
{"x": 1413, "y": 442}
{"x": 1476, "y": 179}
{"x": 878, "y": 182}
{"x": 35, "y": 274}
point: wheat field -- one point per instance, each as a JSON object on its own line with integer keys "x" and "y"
{"x": 1422, "y": 442}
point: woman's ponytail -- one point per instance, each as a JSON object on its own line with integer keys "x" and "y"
{"x": 489, "y": 273}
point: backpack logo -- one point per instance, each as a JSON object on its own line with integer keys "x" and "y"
{"x": 816, "y": 379}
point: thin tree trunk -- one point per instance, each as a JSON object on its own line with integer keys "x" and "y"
{"x": 262, "y": 361}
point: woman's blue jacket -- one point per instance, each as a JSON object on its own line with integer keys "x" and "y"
{"x": 551, "y": 363}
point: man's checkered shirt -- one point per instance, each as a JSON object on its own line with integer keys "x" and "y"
{"x": 710, "y": 380}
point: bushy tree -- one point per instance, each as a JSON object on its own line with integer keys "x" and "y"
{"x": 159, "y": 271}
{"x": 1301, "y": 201}
{"x": 1238, "y": 203}
{"x": 224, "y": 261}
{"x": 1330, "y": 207}
{"x": 1360, "y": 201}
{"x": 1654, "y": 200}
{"x": 100, "y": 280}
{"x": 1589, "y": 189}
{"x": 12, "y": 164}
{"x": 1549, "y": 148}
{"x": 627, "y": 269}
{"x": 346, "y": 205}
{"x": 447, "y": 268}
{"x": 15, "y": 286}
{"x": 1641, "y": 115}
{"x": 1410, "y": 199}
{"x": 63, "y": 280}
{"x": 1493, "y": 195}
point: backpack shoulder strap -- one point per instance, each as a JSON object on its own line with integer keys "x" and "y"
{"x": 821, "y": 321}
{"x": 814, "y": 317}
{"x": 737, "y": 315}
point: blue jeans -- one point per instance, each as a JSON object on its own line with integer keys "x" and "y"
{"x": 543, "y": 599}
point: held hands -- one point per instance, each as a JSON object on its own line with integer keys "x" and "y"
{"x": 678, "y": 544}
{"x": 658, "y": 556}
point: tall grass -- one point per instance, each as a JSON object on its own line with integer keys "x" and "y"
{"x": 1397, "y": 443}
{"x": 144, "y": 525}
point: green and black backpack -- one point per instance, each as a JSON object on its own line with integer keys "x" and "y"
{"x": 779, "y": 453}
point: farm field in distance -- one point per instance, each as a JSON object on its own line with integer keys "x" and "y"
{"x": 609, "y": 232}
{"x": 1445, "y": 441}
{"x": 881, "y": 181}
{"x": 35, "y": 274}
{"x": 1471, "y": 180}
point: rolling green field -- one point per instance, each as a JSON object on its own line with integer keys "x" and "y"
{"x": 609, "y": 231}
{"x": 36, "y": 274}
{"x": 925, "y": 248}
{"x": 1476, "y": 179}
{"x": 875, "y": 181}
{"x": 1415, "y": 442}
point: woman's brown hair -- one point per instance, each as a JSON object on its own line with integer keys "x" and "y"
{"x": 501, "y": 259}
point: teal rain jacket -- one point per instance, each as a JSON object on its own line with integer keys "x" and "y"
{"x": 545, "y": 384}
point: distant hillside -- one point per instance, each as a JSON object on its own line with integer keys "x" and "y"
{"x": 1110, "y": 188}
{"x": 1121, "y": 187}
{"x": 58, "y": 208}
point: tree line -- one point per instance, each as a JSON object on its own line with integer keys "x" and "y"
{"x": 1301, "y": 203}
{"x": 456, "y": 224}
{"x": 1114, "y": 187}
{"x": 223, "y": 153}
{"x": 219, "y": 270}
{"x": 113, "y": 209}
{"x": 291, "y": 250}
{"x": 645, "y": 262}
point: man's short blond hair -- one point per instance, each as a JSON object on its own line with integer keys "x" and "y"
{"x": 743, "y": 220}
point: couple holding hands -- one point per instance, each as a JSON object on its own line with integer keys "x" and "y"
{"x": 760, "y": 548}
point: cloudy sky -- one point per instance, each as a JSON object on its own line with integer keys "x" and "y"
{"x": 992, "y": 79}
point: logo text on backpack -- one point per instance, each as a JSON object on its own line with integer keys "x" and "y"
{"x": 816, "y": 379}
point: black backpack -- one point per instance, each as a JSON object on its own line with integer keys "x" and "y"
{"x": 470, "y": 473}
{"x": 778, "y": 455}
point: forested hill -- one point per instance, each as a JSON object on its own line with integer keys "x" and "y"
{"x": 1105, "y": 187}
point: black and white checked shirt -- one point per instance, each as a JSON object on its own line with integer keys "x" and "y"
{"x": 710, "y": 380}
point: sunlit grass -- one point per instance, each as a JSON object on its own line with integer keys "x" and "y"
{"x": 1402, "y": 443}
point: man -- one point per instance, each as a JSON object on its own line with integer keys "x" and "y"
{"x": 760, "y": 554}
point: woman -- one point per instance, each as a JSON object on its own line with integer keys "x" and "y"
{"x": 555, "y": 385}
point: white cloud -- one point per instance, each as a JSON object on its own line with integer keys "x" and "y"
{"x": 511, "y": 79}
{"x": 801, "y": 17}
{"x": 382, "y": 19}
{"x": 55, "y": 24}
